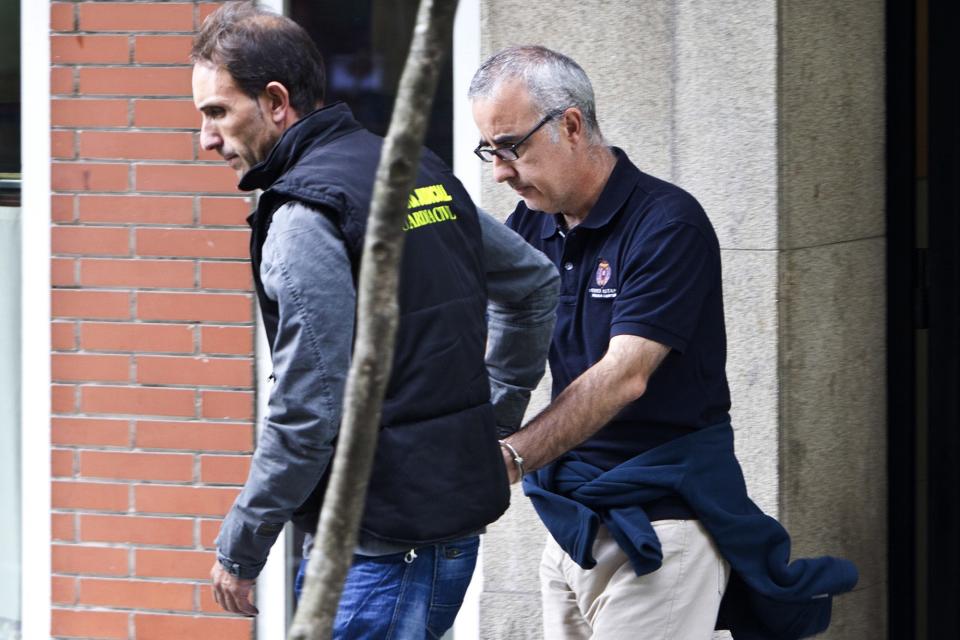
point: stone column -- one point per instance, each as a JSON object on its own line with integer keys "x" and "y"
{"x": 833, "y": 493}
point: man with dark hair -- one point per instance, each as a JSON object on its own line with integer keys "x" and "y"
{"x": 634, "y": 472}
{"x": 437, "y": 478}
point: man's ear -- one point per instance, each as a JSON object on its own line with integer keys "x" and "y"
{"x": 277, "y": 103}
{"x": 571, "y": 125}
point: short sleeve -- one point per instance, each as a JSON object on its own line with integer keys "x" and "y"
{"x": 668, "y": 276}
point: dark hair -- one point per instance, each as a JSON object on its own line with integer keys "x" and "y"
{"x": 257, "y": 47}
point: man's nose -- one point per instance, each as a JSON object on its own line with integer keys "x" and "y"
{"x": 209, "y": 137}
{"x": 502, "y": 170}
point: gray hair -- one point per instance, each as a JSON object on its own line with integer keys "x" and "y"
{"x": 554, "y": 81}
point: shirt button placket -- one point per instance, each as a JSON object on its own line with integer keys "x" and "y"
{"x": 569, "y": 274}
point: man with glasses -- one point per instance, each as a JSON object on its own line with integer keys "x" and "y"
{"x": 631, "y": 467}
{"x": 454, "y": 387}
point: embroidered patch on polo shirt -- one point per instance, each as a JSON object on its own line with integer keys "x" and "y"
{"x": 601, "y": 278}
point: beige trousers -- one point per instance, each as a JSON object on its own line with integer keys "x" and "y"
{"x": 679, "y": 601}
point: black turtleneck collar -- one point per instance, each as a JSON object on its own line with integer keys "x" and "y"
{"x": 320, "y": 126}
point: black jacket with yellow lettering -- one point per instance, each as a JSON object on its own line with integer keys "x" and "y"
{"x": 438, "y": 472}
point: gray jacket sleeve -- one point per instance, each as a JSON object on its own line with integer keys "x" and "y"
{"x": 522, "y": 285}
{"x": 306, "y": 270}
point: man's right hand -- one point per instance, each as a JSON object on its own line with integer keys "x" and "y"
{"x": 232, "y": 593}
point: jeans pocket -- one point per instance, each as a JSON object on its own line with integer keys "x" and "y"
{"x": 720, "y": 580}
{"x": 454, "y": 570}
{"x": 723, "y": 575}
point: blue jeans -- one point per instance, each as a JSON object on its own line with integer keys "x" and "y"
{"x": 399, "y": 597}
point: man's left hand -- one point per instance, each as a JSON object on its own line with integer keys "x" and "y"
{"x": 232, "y": 593}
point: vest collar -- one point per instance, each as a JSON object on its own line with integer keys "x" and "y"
{"x": 318, "y": 127}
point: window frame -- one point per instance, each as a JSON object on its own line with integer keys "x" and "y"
{"x": 35, "y": 525}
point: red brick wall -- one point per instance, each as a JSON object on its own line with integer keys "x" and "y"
{"x": 152, "y": 334}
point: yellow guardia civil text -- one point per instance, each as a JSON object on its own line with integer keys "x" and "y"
{"x": 426, "y": 208}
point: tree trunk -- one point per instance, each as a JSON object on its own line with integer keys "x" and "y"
{"x": 376, "y": 325}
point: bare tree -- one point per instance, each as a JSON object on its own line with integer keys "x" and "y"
{"x": 377, "y": 317}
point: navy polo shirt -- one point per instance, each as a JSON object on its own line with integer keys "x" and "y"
{"x": 644, "y": 262}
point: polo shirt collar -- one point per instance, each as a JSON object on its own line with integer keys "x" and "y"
{"x": 619, "y": 186}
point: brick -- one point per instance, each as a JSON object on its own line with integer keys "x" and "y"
{"x": 90, "y": 432}
{"x": 163, "y": 563}
{"x": 204, "y": 9}
{"x": 63, "y": 145}
{"x": 89, "y": 495}
{"x": 63, "y": 272}
{"x": 200, "y": 243}
{"x": 61, "y": 81}
{"x": 71, "y": 558}
{"x": 79, "y": 112}
{"x": 186, "y": 178}
{"x": 173, "y": 500}
{"x": 224, "y": 469}
{"x": 61, "y": 208}
{"x": 111, "y": 241}
{"x": 136, "y": 466}
{"x": 136, "y": 209}
{"x": 176, "y": 274}
{"x": 136, "y": 16}
{"x": 212, "y": 372}
{"x": 136, "y": 145}
{"x": 63, "y": 398}
{"x": 226, "y": 275}
{"x": 90, "y": 304}
{"x": 63, "y": 336}
{"x": 207, "y": 155}
{"x": 164, "y": 627}
{"x": 89, "y": 176}
{"x": 225, "y": 211}
{"x": 92, "y": 624}
{"x": 227, "y": 405}
{"x": 145, "y": 401}
{"x": 171, "y": 114}
{"x": 115, "y": 336}
{"x": 62, "y": 526}
{"x": 207, "y": 603}
{"x": 207, "y": 436}
{"x": 209, "y": 530}
{"x": 226, "y": 340}
{"x": 87, "y": 49}
{"x": 61, "y": 16}
{"x": 162, "y": 49}
{"x": 135, "y": 81}
{"x": 195, "y": 307}
{"x": 174, "y": 532}
{"x": 136, "y": 594}
{"x": 81, "y": 367}
{"x": 64, "y": 590}
{"x": 61, "y": 463}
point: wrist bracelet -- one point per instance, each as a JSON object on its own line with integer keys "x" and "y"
{"x": 517, "y": 458}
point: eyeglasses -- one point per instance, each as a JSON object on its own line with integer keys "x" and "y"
{"x": 508, "y": 153}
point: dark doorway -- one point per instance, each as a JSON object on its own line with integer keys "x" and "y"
{"x": 365, "y": 44}
{"x": 923, "y": 232}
